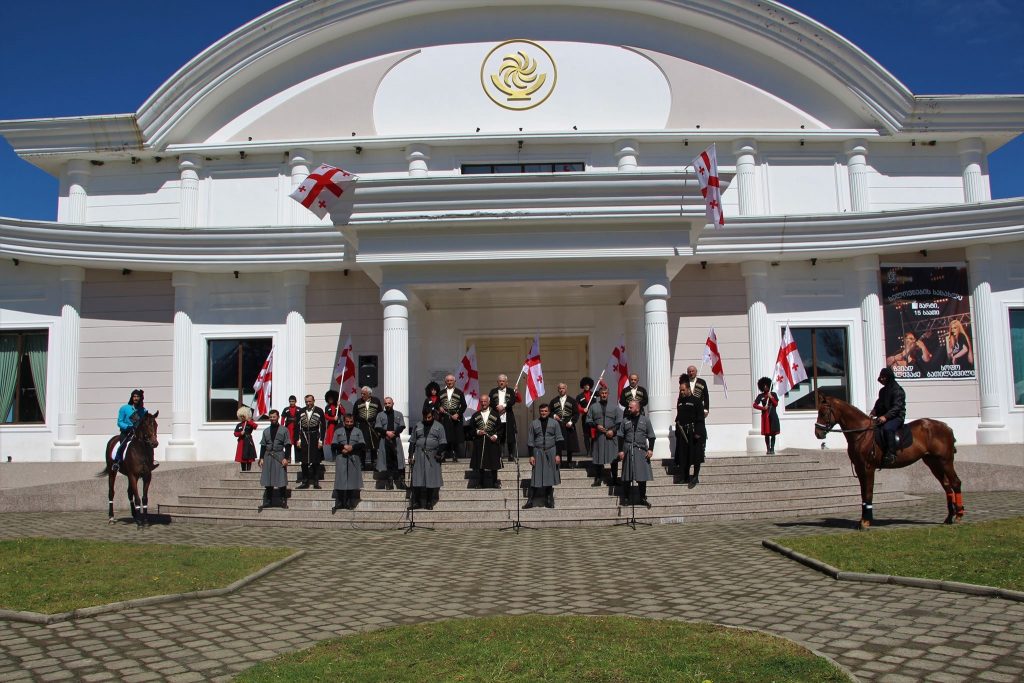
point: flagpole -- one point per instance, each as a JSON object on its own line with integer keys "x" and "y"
{"x": 593, "y": 391}
{"x": 771, "y": 375}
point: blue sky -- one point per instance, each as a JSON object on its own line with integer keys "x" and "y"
{"x": 69, "y": 57}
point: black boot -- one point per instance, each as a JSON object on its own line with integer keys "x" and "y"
{"x": 414, "y": 498}
{"x": 549, "y": 502}
{"x": 643, "y": 495}
{"x": 529, "y": 499}
{"x": 389, "y": 481}
{"x": 597, "y": 476}
{"x": 615, "y": 473}
{"x": 889, "y": 458}
{"x": 695, "y": 479}
{"x": 268, "y": 498}
{"x": 426, "y": 499}
{"x": 400, "y": 480}
{"x": 339, "y": 501}
{"x": 283, "y": 492}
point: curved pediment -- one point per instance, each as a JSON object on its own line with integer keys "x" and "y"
{"x": 330, "y": 70}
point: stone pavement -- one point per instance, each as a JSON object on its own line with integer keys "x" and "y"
{"x": 361, "y": 580}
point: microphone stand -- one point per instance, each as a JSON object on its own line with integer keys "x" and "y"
{"x": 516, "y": 524}
{"x": 631, "y": 522}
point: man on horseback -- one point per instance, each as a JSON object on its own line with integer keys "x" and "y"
{"x": 890, "y": 411}
{"x": 127, "y": 419}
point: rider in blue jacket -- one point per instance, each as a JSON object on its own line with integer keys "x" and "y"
{"x": 127, "y": 418}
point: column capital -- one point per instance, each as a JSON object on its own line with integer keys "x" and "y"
{"x": 627, "y": 153}
{"x": 79, "y": 167}
{"x": 418, "y": 155}
{"x": 190, "y": 162}
{"x": 299, "y": 157}
{"x": 751, "y": 269}
{"x": 855, "y": 147}
{"x": 970, "y": 149}
{"x": 654, "y": 288}
{"x": 393, "y": 296}
{"x": 866, "y": 262}
{"x": 744, "y": 146}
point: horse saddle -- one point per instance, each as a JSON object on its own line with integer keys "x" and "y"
{"x": 904, "y": 437}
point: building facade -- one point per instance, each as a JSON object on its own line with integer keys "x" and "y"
{"x": 525, "y": 169}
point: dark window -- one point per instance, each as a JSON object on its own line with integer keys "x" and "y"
{"x": 1017, "y": 353}
{"x": 826, "y": 357}
{"x": 23, "y": 363}
{"x": 233, "y": 367}
{"x": 559, "y": 167}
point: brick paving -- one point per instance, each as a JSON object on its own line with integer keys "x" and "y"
{"x": 353, "y": 581}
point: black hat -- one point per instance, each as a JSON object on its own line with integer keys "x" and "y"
{"x": 331, "y": 395}
{"x": 432, "y": 388}
{"x": 586, "y": 382}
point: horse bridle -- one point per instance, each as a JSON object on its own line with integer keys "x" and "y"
{"x": 830, "y": 429}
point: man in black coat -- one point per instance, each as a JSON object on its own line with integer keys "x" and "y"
{"x": 890, "y": 411}
{"x": 451, "y": 405}
{"x": 634, "y": 392}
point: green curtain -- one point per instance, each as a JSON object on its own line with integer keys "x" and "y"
{"x": 8, "y": 373}
{"x": 1017, "y": 353}
{"x": 35, "y": 347}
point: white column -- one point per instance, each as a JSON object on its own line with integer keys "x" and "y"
{"x": 659, "y": 389}
{"x": 987, "y": 352}
{"x": 746, "y": 160}
{"x": 182, "y": 446}
{"x": 869, "y": 289}
{"x": 66, "y": 447}
{"x": 396, "y": 348}
{"x": 189, "y": 166}
{"x": 636, "y": 340}
{"x": 857, "y": 170}
{"x": 761, "y": 339}
{"x": 299, "y": 161}
{"x": 78, "y": 173}
{"x": 627, "y": 152}
{"x": 972, "y": 156}
{"x": 294, "y": 358}
{"x": 418, "y": 156}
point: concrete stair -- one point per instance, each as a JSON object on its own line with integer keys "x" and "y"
{"x": 733, "y": 487}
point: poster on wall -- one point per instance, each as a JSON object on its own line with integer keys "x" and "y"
{"x": 927, "y": 316}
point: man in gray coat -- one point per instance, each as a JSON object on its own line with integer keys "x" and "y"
{"x": 390, "y": 452}
{"x": 604, "y": 416}
{"x": 273, "y": 462}
{"x": 544, "y": 442}
{"x": 348, "y": 447}
{"x": 427, "y": 443}
{"x": 636, "y": 448}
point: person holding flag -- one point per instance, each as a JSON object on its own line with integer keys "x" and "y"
{"x": 345, "y": 374}
{"x": 767, "y": 402}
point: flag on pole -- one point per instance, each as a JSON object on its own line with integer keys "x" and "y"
{"x": 789, "y": 367}
{"x": 616, "y": 373}
{"x": 345, "y": 373}
{"x": 468, "y": 379}
{"x": 533, "y": 373}
{"x": 706, "y": 168}
{"x": 713, "y": 358}
{"x": 264, "y": 385}
{"x": 323, "y": 188}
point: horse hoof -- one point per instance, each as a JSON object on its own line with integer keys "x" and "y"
{"x": 110, "y": 521}
{"x": 865, "y": 525}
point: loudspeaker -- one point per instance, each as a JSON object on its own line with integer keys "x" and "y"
{"x": 368, "y": 371}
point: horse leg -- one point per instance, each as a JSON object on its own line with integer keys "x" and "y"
{"x": 866, "y": 477}
{"x": 937, "y": 469}
{"x": 133, "y": 495}
{"x": 954, "y": 483}
{"x": 145, "y": 498}
{"x": 111, "y": 476}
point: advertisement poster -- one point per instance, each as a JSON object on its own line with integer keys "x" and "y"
{"x": 927, "y": 316}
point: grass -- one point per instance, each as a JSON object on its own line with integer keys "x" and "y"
{"x": 983, "y": 553}
{"x": 51, "y": 575}
{"x": 544, "y": 648}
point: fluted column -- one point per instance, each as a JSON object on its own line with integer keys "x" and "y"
{"x": 660, "y": 396}
{"x": 295, "y": 283}
{"x": 627, "y": 153}
{"x": 972, "y": 156}
{"x": 761, "y": 340}
{"x": 418, "y": 157}
{"x": 396, "y": 348}
{"x": 189, "y": 166}
{"x": 636, "y": 340}
{"x": 299, "y": 161}
{"x": 857, "y": 170}
{"x": 746, "y": 183}
{"x": 869, "y": 289}
{"x": 987, "y": 348}
{"x": 66, "y": 447}
{"x": 182, "y": 446}
{"x": 78, "y": 173}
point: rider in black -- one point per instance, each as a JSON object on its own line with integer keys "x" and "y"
{"x": 890, "y": 411}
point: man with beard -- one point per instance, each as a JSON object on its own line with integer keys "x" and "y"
{"x": 698, "y": 387}
{"x": 690, "y": 434}
{"x": 636, "y": 448}
{"x": 563, "y": 409}
{"x": 273, "y": 463}
{"x": 310, "y": 427}
{"x": 634, "y": 392}
{"x": 289, "y": 416}
{"x": 348, "y": 447}
{"x": 486, "y": 456}
{"x": 502, "y": 400}
{"x": 544, "y": 441}
{"x": 451, "y": 406}
{"x": 605, "y": 417}
{"x": 426, "y": 444}
{"x": 365, "y": 410}
{"x": 390, "y": 456}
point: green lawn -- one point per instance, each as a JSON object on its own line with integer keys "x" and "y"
{"x": 983, "y": 553}
{"x": 52, "y": 575}
{"x": 529, "y": 649}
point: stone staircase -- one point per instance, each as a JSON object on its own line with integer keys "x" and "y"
{"x": 734, "y": 487}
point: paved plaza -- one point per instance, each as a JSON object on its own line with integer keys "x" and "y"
{"x": 352, "y": 581}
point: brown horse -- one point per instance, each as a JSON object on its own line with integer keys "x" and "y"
{"x": 933, "y": 442}
{"x": 137, "y": 464}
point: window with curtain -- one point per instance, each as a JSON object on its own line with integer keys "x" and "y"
{"x": 1017, "y": 353}
{"x": 826, "y": 357}
{"x": 232, "y": 368}
{"x": 23, "y": 356}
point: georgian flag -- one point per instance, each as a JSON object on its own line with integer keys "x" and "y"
{"x": 616, "y": 373}
{"x": 713, "y": 358}
{"x": 468, "y": 379}
{"x": 533, "y": 373}
{"x": 264, "y": 385}
{"x": 789, "y": 367}
{"x": 706, "y": 168}
{"x": 323, "y": 188}
{"x": 345, "y": 373}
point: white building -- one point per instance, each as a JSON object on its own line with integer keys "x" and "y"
{"x": 564, "y": 205}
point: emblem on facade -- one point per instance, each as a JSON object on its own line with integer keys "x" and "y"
{"x": 518, "y": 74}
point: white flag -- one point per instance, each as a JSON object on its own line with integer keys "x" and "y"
{"x": 706, "y": 168}
{"x": 345, "y": 373}
{"x": 323, "y": 188}
{"x": 713, "y": 358}
{"x": 533, "y": 373}
{"x": 616, "y": 373}
{"x": 264, "y": 386}
{"x": 789, "y": 368}
{"x": 468, "y": 379}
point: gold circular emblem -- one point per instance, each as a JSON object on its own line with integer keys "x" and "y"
{"x": 518, "y": 74}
